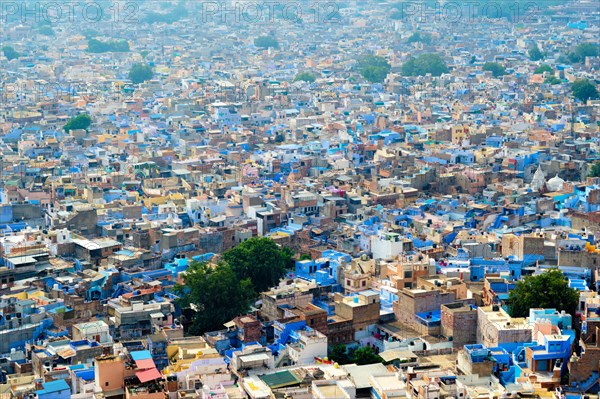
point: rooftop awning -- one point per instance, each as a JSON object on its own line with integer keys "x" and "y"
{"x": 145, "y": 364}
{"x": 140, "y": 355}
{"x": 148, "y": 375}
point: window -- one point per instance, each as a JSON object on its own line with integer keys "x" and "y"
{"x": 364, "y": 283}
{"x": 106, "y": 384}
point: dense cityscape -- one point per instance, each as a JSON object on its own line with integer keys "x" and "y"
{"x": 300, "y": 199}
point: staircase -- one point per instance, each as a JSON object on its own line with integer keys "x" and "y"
{"x": 589, "y": 383}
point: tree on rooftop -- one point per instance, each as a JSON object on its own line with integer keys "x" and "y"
{"x": 420, "y": 37}
{"x": 305, "y": 77}
{"x": 543, "y": 68}
{"x": 81, "y": 121}
{"x": 549, "y": 290}
{"x": 10, "y": 53}
{"x": 495, "y": 68}
{"x": 552, "y": 80}
{"x": 424, "y": 64}
{"x": 117, "y": 46}
{"x": 214, "y": 295}
{"x": 595, "y": 170}
{"x": 140, "y": 73}
{"x": 373, "y": 68}
{"x": 535, "y": 54}
{"x": 339, "y": 354}
{"x": 584, "y": 50}
{"x": 365, "y": 355}
{"x": 260, "y": 260}
{"x": 584, "y": 90}
{"x": 266, "y": 42}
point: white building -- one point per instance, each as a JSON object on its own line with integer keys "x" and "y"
{"x": 311, "y": 344}
{"x": 97, "y": 331}
{"x": 387, "y": 245}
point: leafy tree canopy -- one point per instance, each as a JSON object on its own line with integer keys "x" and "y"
{"x": 361, "y": 356}
{"x": 81, "y": 121}
{"x": 140, "y": 73}
{"x": 543, "y": 68}
{"x": 365, "y": 355}
{"x": 595, "y": 170}
{"x": 260, "y": 260}
{"x": 424, "y": 64}
{"x": 116, "y": 46}
{"x": 496, "y": 69}
{"x": 535, "y": 54}
{"x": 552, "y": 80}
{"x": 10, "y": 53}
{"x": 305, "y": 77}
{"x": 373, "y": 68}
{"x": 420, "y": 37}
{"x": 215, "y": 294}
{"x": 584, "y": 90}
{"x": 582, "y": 51}
{"x": 339, "y": 354}
{"x": 548, "y": 290}
{"x": 266, "y": 42}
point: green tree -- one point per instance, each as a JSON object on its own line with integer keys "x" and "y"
{"x": 10, "y": 53}
{"x": 365, "y": 355}
{"x": 305, "y": 257}
{"x": 582, "y": 51}
{"x": 543, "y": 68}
{"x": 547, "y": 290}
{"x": 260, "y": 260}
{"x": 215, "y": 294}
{"x": 595, "y": 170}
{"x": 288, "y": 257}
{"x": 496, "y": 69}
{"x": 584, "y": 90}
{"x": 420, "y": 37}
{"x": 424, "y": 64}
{"x": 552, "y": 80}
{"x": 373, "y": 68}
{"x": 140, "y": 73}
{"x": 305, "y": 77}
{"x": 535, "y": 54}
{"x": 81, "y": 121}
{"x": 563, "y": 59}
{"x": 339, "y": 354}
{"x": 116, "y": 46}
{"x": 266, "y": 42}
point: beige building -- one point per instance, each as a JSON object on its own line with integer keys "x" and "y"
{"x": 495, "y": 326}
{"x": 362, "y": 308}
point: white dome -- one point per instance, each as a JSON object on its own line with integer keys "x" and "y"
{"x": 539, "y": 180}
{"x": 555, "y": 184}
